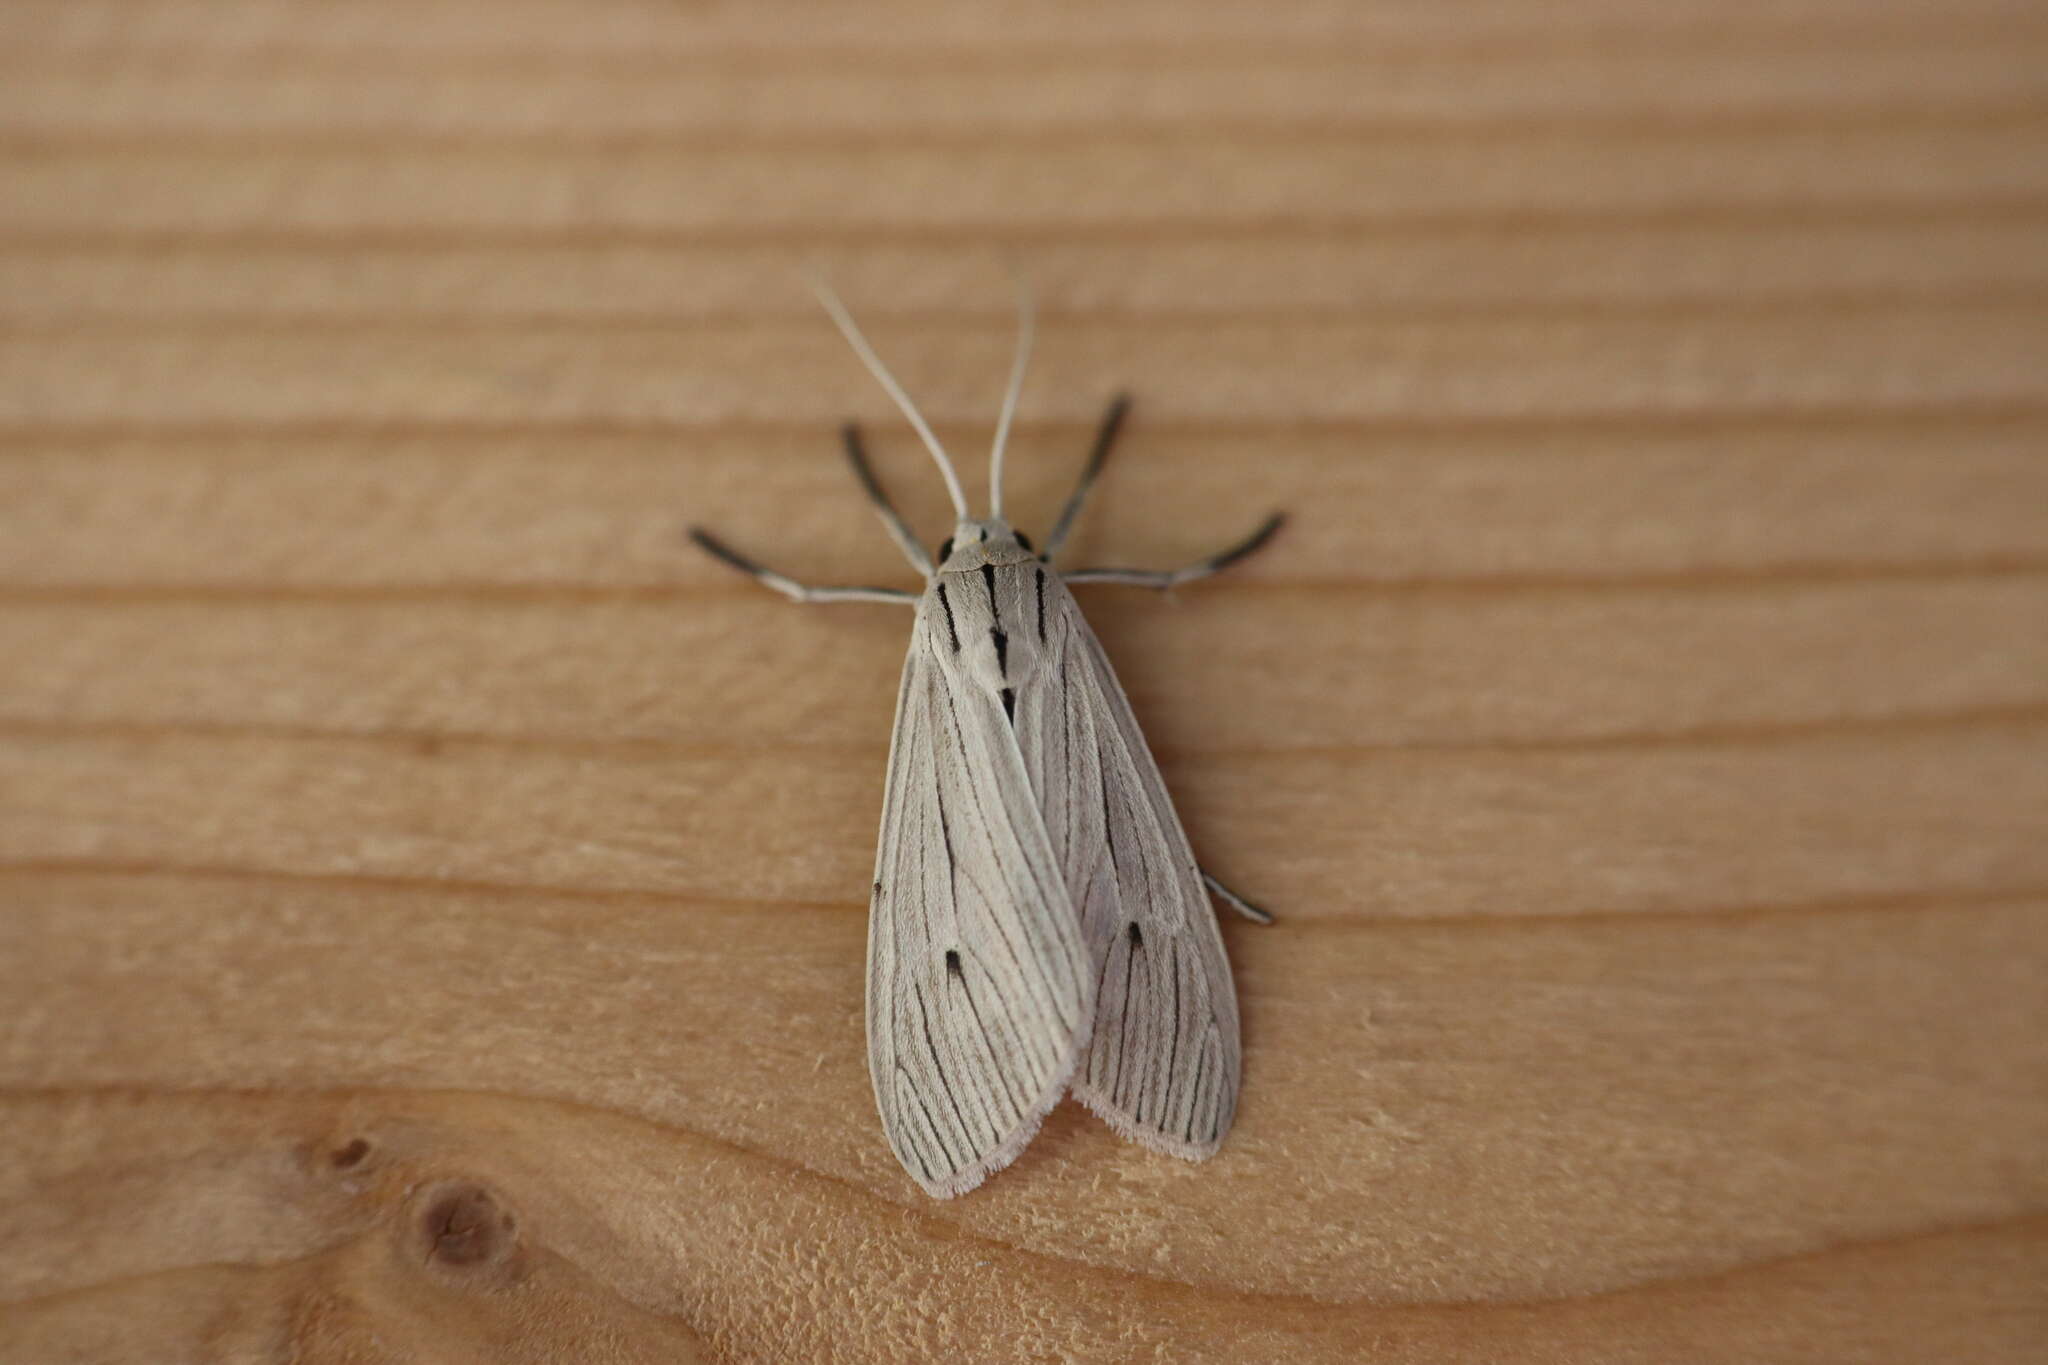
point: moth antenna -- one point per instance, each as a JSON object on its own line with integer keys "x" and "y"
{"x": 850, "y": 329}
{"x": 1026, "y": 317}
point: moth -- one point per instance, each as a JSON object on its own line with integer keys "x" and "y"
{"x": 1038, "y": 921}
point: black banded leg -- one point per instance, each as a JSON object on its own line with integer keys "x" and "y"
{"x": 899, "y": 530}
{"x": 789, "y": 587}
{"x": 1173, "y": 578}
{"x": 1235, "y": 901}
{"x": 1098, "y": 455}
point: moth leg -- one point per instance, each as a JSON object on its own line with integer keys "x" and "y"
{"x": 1173, "y": 578}
{"x": 1236, "y": 902}
{"x": 789, "y": 587}
{"x": 899, "y": 530}
{"x": 1098, "y": 454}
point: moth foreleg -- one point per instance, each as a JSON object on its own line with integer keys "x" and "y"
{"x": 899, "y": 529}
{"x": 1098, "y": 454}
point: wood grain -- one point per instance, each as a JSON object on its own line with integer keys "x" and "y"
{"x": 431, "y": 896}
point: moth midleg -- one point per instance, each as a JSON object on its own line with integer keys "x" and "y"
{"x": 1098, "y": 455}
{"x": 787, "y": 586}
{"x": 1201, "y": 568}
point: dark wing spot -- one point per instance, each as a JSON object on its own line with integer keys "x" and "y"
{"x": 1010, "y": 704}
{"x": 1137, "y": 939}
{"x": 953, "y": 961}
{"x": 1002, "y": 640}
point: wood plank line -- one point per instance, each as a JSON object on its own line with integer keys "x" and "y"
{"x": 479, "y": 437}
{"x": 1816, "y": 305}
{"x": 1628, "y": 125}
{"x": 2021, "y": 113}
{"x": 433, "y": 743}
{"x": 1467, "y": 367}
{"x": 1000, "y": 188}
{"x": 1990, "y": 205}
{"x": 1857, "y": 33}
{"x": 1990, "y": 568}
{"x": 220, "y": 94}
{"x": 27, "y": 872}
{"x": 1418, "y": 35}
{"x": 1919, "y": 258}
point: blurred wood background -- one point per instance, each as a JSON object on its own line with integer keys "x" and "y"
{"x": 431, "y": 895}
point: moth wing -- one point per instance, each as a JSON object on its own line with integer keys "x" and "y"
{"x": 977, "y": 1008}
{"x": 1163, "y": 1063}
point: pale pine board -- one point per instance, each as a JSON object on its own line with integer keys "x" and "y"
{"x": 431, "y": 896}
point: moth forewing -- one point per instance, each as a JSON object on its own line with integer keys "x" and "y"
{"x": 1163, "y": 1064}
{"x": 978, "y": 975}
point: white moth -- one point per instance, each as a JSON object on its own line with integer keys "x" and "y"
{"x": 1038, "y": 921}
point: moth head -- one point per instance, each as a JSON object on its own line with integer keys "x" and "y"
{"x": 978, "y": 542}
{"x": 975, "y": 543}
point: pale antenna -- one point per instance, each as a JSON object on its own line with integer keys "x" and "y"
{"x": 1025, "y": 320}
{"x": 851, "y": 331}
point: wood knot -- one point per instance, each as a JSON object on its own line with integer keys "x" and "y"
{"x": 349, "y": 1154}
{"x": 463, "y": 1225}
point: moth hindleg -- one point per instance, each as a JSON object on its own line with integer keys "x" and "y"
{"x": 1235, "y": 901}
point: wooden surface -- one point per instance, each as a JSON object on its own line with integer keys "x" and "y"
{"x": 431, "y": 896}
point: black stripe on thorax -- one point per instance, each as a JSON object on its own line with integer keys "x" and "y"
{"x": 952, "y": 631}
{"x": 996, "y": 633}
